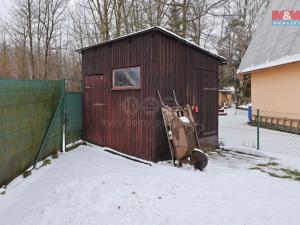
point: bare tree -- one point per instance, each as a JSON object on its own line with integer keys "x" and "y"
{"x": 43, "y": 35}
{"x": 102, "y": 14}
{"x": 4, "y": 52}
{"x": 29, "y": 18}
{"x": 51, "y": 19}
{"x": 242, "y": 18}
{"x": 24, "y": 23}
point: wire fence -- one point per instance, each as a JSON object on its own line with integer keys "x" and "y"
{"x": 264, "y": 130}
{"x": 73, "y": 85}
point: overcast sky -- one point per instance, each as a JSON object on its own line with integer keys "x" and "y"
{"x": 4, "y": 8}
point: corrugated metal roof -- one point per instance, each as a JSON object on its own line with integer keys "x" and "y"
{"x": 273, "y": 45}
{"x": 164, "y": 31}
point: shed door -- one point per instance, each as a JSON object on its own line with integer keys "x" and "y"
{"x": 94, "y": 109}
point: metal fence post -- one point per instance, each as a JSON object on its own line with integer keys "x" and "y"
{"x": 64, "y": 117}
{"x": 258, "y": 126}
{"x": 47, "y": 133}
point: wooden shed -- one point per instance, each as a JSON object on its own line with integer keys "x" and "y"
{"x": 121, "y": 78}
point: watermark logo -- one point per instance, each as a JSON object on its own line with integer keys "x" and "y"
{"x": 148, "y": 106}
{"x": 286, "y": 17}
{"x": 130, "y": 106}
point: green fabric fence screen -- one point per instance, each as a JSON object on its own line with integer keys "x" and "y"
{"x": 73, "y": 107}
{"x": 26, "y": 112}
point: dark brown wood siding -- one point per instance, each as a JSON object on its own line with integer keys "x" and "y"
{"x": 166, "y": 64}
{"x": 194, "y": 77}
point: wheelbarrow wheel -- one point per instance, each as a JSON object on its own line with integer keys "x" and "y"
{"x": 199, "y": 159}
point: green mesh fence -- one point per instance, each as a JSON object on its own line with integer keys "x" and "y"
{"x": 26, "y": 111}
{"x": 73, "y": 107}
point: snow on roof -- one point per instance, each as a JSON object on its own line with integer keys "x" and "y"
{"x": 273, "y": 45}
{"x": 167, "y": 32}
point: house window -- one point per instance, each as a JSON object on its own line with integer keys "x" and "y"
{"x": 127, "y": 78}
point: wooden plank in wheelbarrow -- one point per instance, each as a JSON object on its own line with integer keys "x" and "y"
{"x": 167, "y": 123}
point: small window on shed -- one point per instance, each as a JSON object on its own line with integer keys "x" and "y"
{"x": 126, "y": 78}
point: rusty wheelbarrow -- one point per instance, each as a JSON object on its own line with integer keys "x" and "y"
{"x": 182, "y": 134}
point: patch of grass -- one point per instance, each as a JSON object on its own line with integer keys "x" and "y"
{"x": 268, "y": 164}
{"x": 255, "y": 168}
{"x": 294, "y": 173}
{"x": 289, "y": 174}
{"x": 297, "y": 179}
{"x": 46, "y": 162}
{"x": 279, "y": 176}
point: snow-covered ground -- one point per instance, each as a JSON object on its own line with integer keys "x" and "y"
{"x": 89, "y": 186}
{"x": 234, "y": 131}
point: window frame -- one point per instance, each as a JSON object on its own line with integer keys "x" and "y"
{"x": 121, "y": 88}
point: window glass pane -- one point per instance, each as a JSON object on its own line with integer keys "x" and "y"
{"x": 127, "y": 77}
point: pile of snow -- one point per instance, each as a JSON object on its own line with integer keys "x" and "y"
{"x": 184, "y": 119}
{"x": 91, "y": 186}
